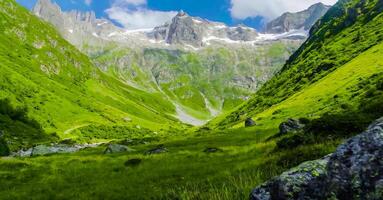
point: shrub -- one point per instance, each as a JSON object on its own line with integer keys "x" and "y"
{"x": 304, "y": 120}
{"x": 4, "y": 149}
{"x": 379, "y": 85}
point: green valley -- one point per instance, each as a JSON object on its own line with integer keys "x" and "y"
{"x": 211, "y": 119}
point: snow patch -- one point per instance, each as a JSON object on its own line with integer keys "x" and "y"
{"x": 197, "y": 21}
{"x": 220, "y": 26}
{"x": 95, "y": 34}
{"x": 102, "y": 23}
{"x": 144, "y": 30}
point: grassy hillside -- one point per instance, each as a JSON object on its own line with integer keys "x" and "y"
{"x": 347, "y": 30}
{"x": 61, "y": 89}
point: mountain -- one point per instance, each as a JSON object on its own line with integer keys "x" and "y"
{"x": 321, "y": 60}
{"x": 303, "y": 20}
{"x": 51, "y": 91}
{"x": 196, "y": 31}
{"x": 204, "y": 68}
{"x": 75, "y": 25}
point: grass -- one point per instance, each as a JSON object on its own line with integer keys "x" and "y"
{"x": 186, "y": 172}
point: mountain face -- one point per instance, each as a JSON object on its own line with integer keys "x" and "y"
{"x": 185, "y": 29}
{"x": 74, "y": 25}
{"x": 303, "y": 20}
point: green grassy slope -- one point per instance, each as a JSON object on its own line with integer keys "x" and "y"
{"x": 347, "y": 30}
{"x": 60, "y": 87}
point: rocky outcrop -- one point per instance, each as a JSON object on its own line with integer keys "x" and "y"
{"x": 290, "y": 125}
{"x": 295, "y": 21}
{"x": 184, "y": 30}
{"x": 75, "y": 26}
{"x": 353, "y": 171}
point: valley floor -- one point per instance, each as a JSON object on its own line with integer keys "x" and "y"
{"x": 244, "y": 160}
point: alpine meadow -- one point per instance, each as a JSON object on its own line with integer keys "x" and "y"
{"x": 220, "y": 100}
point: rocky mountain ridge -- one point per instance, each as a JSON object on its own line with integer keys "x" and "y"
{"x": 303, "y": 20}
{"x": 187, "y": 31}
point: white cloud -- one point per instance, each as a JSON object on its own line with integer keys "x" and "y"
{"x": 133, "y": 14}
{"x": 270, "y": 9}
{"x": 88, "y": 2}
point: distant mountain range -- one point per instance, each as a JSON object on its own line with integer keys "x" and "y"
{"x": 183, "y": 29}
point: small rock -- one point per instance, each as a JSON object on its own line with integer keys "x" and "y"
{"x": 117, "y": 148}
{"x": 212, "y": 150}
{"x": 133, "y": 162}
{"x": 249, "y": 122}
{"x": 290, "y": 125}
{"x": 157, "y": 150}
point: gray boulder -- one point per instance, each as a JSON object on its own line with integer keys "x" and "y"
{"x": 117, "y": 148}
{"x": 212, "y": 150}
{"x": 158, "y": 150}
{"x": 353, "y": 171}
{"x": 290, "y": 125}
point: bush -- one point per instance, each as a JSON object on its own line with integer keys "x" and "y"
{"x": 344, "y": 124}
{"x": 295, "y": 141}
{"x": 379, "y": 85}
{"x": 17, "y": 113}
{"x": 303, "y": 120}
{"x": 4, "y": 149}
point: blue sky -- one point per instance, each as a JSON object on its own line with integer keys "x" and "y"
{"x": 135, "y": 14}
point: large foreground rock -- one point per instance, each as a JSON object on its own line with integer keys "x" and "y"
{"x": 353, "y": 171}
